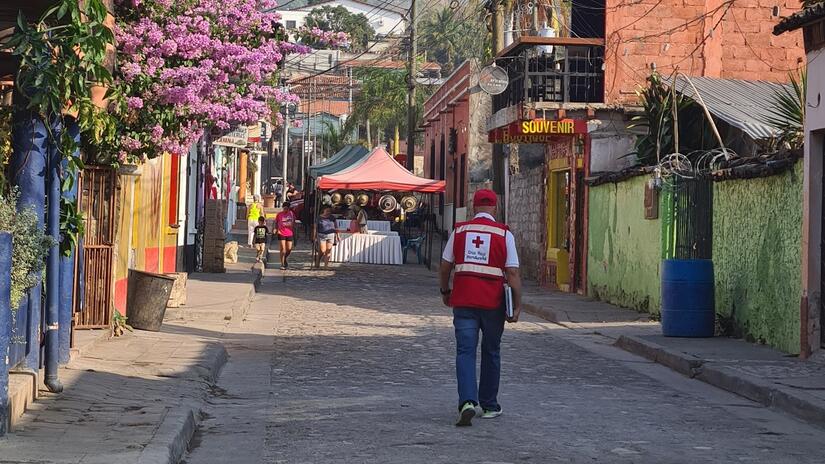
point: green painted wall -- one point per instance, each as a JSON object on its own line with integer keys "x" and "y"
{"x": 624, "y": 248}
{"x": 757, "y": 235}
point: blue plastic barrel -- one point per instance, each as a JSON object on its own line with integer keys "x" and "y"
{"x": 688, "y": 298}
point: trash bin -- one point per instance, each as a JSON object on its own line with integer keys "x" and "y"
{"x": 146, "y": 299}
{"x": 688, "y": 308}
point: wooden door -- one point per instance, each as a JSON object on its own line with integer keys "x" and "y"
{"x": 97, "y": 203}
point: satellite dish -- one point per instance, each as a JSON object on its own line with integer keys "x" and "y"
{"x": 387, "y": 203}
{"x": 493, "y": 79}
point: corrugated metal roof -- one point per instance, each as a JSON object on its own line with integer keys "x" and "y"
{"x": 742, "y": 104}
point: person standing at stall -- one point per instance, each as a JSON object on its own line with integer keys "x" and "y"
{"x": 284, "y": 225}
{"x": 482, "y": 252}
{"x": 325, "y": 235}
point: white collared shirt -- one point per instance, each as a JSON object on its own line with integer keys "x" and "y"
{"x": 512, "y": 253}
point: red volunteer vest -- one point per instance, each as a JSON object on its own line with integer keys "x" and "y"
{"x": 480, "y": 250}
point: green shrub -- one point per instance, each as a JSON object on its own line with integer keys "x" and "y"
{"x": 30, "y": 245}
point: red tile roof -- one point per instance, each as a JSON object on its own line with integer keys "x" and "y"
{"x": 334, "y": 107}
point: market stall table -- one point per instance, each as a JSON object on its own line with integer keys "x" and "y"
{"x": 371, "y": 248}
{"x": 380, "y": 226}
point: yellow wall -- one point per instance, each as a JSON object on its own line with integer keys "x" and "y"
{"x": 145, "y": 240}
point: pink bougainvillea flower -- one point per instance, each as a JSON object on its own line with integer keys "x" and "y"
{"x": 187, "y": 66}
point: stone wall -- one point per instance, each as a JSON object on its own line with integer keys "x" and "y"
{"x": 624, "y": 248}
{"x": 214, "y": 235}
{"x": 526, "y": 219}
{"x": 757, "y": 236}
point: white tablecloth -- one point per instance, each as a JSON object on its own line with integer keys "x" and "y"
{"x": 380, "y": 226}
{"x": 368, "y": 248}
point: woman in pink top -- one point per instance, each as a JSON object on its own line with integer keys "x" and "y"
{"x": 284, "y": 225}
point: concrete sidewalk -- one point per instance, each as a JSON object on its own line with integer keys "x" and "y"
{"x": 138, "y": 398}
{"x": 756, "y": 372}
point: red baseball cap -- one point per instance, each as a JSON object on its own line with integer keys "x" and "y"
{"x": 485, "y": 197}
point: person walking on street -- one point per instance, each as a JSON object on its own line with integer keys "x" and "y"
{"x": 284, "y": 224}
{"x": 279, "y": 189}
{"x": 325, "y": 235}
{"x": 261, "y": 234}
{"x": 255, "y": 210}
{"x": 362, "y": 219}
{"x": 482, "y": 252}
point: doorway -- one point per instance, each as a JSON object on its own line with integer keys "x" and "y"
{"x": 97, "y": 202}
{"x": 558, "y": 229}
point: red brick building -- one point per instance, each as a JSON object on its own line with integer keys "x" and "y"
{"x": 728, "y": 39}
{"x": 583, "y": 62}
{"x": 455, "y": 142}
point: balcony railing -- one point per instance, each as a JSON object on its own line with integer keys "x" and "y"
{"x": 552, "y": 70}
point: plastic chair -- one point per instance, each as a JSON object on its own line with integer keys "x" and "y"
{"x": 415, "y": 244}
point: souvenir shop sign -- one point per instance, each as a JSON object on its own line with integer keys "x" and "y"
{"x": 537, "y": 130}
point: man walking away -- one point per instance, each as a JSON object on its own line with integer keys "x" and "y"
{"x": 482, "y": 252}
{"x": 261, "y": 233}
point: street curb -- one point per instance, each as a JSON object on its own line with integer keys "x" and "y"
{"x": 682, "y": 363}
{"x": 171, "y": 440}
{"x": 179, "y": 425}
{"x": 544, "y": 313}
{"x": 797, "y": 404}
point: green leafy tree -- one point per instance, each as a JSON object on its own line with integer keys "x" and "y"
{"x": 383, "y": 100}
{"x": 29, "y": 245}
{"x": 338, "y": 18}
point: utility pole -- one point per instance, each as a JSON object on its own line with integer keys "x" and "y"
{"x": 499, "y": 167}
{"x": 411, "y": 91}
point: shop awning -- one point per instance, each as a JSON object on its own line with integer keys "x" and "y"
{"x": 379, "y": 171}
{"x": 345, "y": 158}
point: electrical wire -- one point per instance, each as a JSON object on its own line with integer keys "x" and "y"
{"x": 341, "y": 63}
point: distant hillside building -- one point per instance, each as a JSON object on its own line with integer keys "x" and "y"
{"x": 386, "y": 17}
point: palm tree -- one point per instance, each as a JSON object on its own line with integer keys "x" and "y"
{"x": 333, "y": 138}
{"x": 788, "y": 111}
{"x": 441, "y": 34}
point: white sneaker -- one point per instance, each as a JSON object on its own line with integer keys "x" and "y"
{"x": 491, "y": 413}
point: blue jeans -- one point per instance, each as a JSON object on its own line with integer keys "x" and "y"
{"x": 467, "y": 323}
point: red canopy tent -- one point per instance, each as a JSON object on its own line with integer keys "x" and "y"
{"x": 379, "y": 171}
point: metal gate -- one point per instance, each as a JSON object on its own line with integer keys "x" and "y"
{"x": 688, "y": 221}
{"x": 97, "y": 203}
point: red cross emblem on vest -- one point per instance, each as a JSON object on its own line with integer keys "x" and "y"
{"x": 478, "y": 242}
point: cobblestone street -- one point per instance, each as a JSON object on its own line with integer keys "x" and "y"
{"x": 356, "y": 365}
